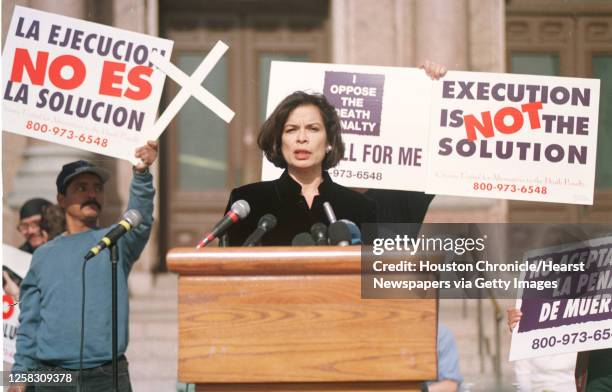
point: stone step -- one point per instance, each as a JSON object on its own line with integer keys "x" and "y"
{"x": 146, "y": 349}
{"x": 153, "y": 331}
{"x": 145, "y": 368}
{"x": 153, "y": 348}
{"x": 461, "y": 318}
{"x": 152, "y": 317}
{"x": 154, "y": 384}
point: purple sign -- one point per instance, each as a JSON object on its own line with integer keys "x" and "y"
{"x": 358, "y": 100}
{"x": 579, "y": 297}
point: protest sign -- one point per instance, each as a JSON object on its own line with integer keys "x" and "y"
{"x": 10, "y": 322}
{"x": 191, "y": 86}
{"x": 519, "y": 137}
{"x": 80, "y": 84}
{"x": 18, "y": 262}
{"x": 383, "y": 114}
{"x": 576, "y": 314}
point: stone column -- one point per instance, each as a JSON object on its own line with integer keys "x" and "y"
{"x": 487, "y": 35}
{"x": 463, "y": 35}
{"x": 373, "y": 32}
{"x": 442, "y": 32}
{"x": 72, "y": 8}
{"x": 32, "y": 165}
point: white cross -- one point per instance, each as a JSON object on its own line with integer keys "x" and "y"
{"x": 190, "y": 86}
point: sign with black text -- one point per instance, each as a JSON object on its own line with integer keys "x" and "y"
{"x": 380, "y": 111}
{"x": 520, "y": 137}
{"x": 576, "y": 313}
{"x": 80, "y": 84}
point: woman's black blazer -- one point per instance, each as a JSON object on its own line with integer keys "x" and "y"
{"x": 282, "y": 198}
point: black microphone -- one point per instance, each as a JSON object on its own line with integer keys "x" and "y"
{"x": 354, "y": 230}
{"x": 265, "y": 224}
{"x": 303, "y": 239}
{"x": 329, "y": 212}
{"x": 319, "y": 233}
{"x": 130, "y": 219}
{"x": 239, "y": 210}
{"x": 339, "y": 234}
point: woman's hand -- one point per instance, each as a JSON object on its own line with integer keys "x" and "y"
{"x": 434, "y": 70}
{"x": 514, "y": 316}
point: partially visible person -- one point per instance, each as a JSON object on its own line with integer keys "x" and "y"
{"x": 53, "y": 221}
{"x": 30, "y": 216}
{"x": 594, "y": 371}
{"x": 15, "y": 265}
{"x": 49, "y": 334}
{"x": 42, "y": 221}
{"x": 590, "y": 371}
{"x": 449, "y": 375}
{"x": 302, "y": 136}
{"x": 543, "y": 374}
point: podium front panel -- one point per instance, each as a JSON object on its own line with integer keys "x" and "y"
{"x": 300, "y": 329}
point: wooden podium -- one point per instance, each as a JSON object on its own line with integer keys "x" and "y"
{"x": 292, "y": 319}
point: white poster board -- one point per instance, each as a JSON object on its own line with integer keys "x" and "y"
{"x": 577, "y": 314}
{"x": 18, "y": 262}
{"x": 80, "y": 84}
{"x": 379, "y": 108}
{"x": 503, "y": 136}
{"x": 520, "y": 137}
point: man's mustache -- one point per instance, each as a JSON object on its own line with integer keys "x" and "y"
{"x": 91, "y": 202}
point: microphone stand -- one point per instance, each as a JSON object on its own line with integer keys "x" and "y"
{"x": 224, "y": 241}
{"x": 114, "y": 261}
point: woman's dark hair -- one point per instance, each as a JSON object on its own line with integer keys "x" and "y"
{"x": 271, "y": 133}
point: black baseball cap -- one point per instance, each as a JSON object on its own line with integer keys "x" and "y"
{"x": 73, "y": 169}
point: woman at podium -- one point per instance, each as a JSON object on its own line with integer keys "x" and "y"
{"x": 302, "y": 136}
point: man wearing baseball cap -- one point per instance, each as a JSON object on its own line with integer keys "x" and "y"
{"x": 49, "y": 334}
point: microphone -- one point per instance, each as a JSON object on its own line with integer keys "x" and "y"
{"x": 354, "y": 230}
{"x": 239, "y": 210}
{"x": 329, "y": 212}
{"x": 265, "y": 224}
{"x": 130, "y": 219}
{"x": 303, "y": 239}
{"x": 339, "y": 234}
{"x": 319, "y": 233}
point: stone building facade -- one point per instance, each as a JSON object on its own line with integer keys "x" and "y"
{"x": 194, "y": 177}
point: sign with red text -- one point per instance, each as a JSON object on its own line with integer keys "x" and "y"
{"x": 10, "y": 323}
{"x": 575, "y": 313}
{"x": 383, "y": 116}
{"x": 80, "y": 84}
{"x": 521, "y": 137}
{"x": 18, "y": 263}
